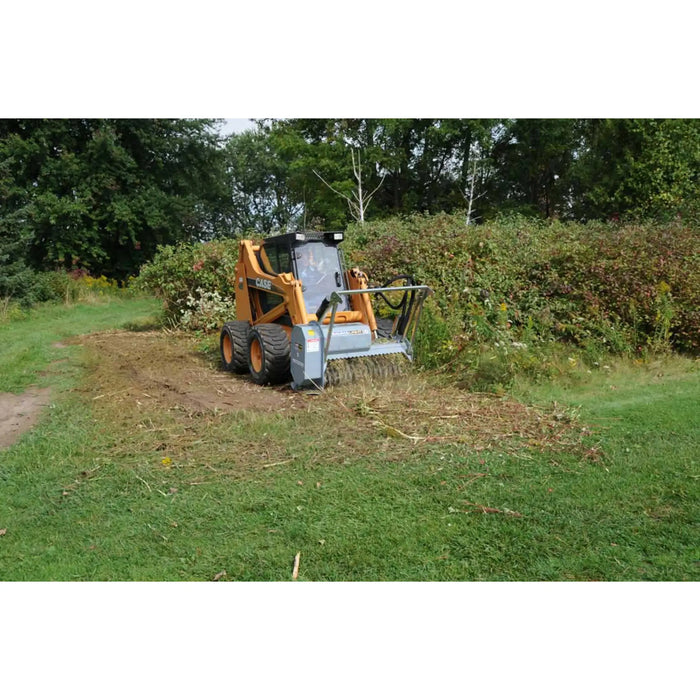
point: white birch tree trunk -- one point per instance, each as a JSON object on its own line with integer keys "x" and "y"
{"x": 359, "y": 202}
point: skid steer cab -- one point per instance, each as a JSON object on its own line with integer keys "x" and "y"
{"x": 302, "y": 317}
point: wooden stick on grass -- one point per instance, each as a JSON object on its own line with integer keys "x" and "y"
{"x": 295, "y": 570}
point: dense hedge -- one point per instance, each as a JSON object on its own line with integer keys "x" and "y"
{"x": 194, "y": 281}
{"x": 625, "y": 288}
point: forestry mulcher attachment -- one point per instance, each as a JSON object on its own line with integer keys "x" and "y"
{"x": 302, "y": 316}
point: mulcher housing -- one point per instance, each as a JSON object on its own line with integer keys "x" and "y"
{"x": 302, "y": 316}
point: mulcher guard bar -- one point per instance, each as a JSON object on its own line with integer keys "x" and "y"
{"x": 419, "y": 293}
{"x": 405, "y": 306}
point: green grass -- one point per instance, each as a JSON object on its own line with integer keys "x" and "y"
{"x": 648, "y": 418}
{"x": 84, "y": 496}
{"x": 28, "y": 346}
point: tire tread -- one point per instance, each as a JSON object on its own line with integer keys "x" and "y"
{"x": 238, "y": 332}
{"x": 276, "y": 354}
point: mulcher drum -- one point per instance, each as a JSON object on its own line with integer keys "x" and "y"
{"x": 357, "y": 369}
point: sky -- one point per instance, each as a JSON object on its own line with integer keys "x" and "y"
{"x": 235, "y": 126}
{"x": 537, "y": 59}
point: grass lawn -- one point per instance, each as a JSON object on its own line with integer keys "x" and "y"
{"x": 29, "y": 346}
{"x": 414, "y": 481}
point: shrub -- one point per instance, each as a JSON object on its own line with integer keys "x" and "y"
{"x": 75, "y": 285}
{"x": 17, "y": 282}
{"x": 10, "y": 310}
{"x": 206, "y": 311}
{"x": 186, "y": 276}
{"x": 507, "y": 289}
{"x": 55, "y": 287}
{"x": 58, "y": 286}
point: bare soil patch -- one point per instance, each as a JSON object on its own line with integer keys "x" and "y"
{"x": 166, "y": 369}
{"x": 20, "y": 412}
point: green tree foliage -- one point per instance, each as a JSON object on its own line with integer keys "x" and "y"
{"x": 104, "y": 193}
{"x": 260, "y": 174}
{"x": 428, "y": 160}
{"x": 414, "y": 164}
{"x": 550, "y": 168}
{"x": 17, "y": 279}
{"x": 533, "y": 159}
{"x": 645, "y": 168}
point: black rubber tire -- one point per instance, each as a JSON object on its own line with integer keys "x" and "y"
{"x": 268, "y": 354}
{"x": 233, "y": 346}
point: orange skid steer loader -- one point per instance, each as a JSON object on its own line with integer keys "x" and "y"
{"x": 302, "y": 316}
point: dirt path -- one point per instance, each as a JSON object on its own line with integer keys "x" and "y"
{"x": 20, "y": 412}
{"x": 154, "y": 367}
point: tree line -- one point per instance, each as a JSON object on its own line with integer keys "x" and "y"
{"x": 579, "y": 169}
{"x": 102, "y": 194}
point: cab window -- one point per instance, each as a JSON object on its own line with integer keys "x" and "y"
{"x": 318, "y": 268}
{"x": 279, "y": 258}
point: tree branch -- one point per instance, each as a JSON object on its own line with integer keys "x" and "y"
{"x": 344, "y": 196}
